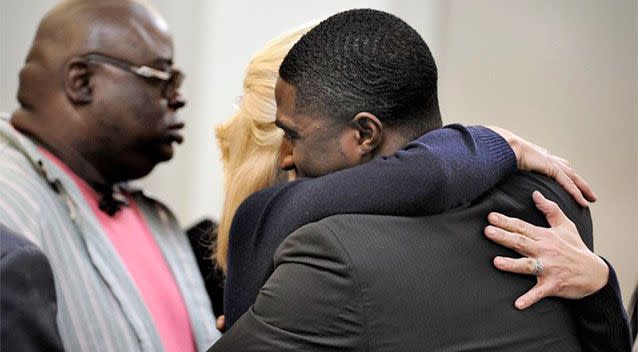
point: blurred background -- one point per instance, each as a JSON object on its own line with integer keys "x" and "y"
{"x": 561, "y": 73}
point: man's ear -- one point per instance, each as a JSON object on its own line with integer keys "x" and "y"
{"x": 285, "y": 160}
{"x": 77, "y": 81}
{"x": 370, "y": 132}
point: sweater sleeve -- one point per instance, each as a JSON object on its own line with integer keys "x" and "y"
{"x": 601, "y": 318}
{"x": 439, "y": 171}
{"x": 436, "y": 172}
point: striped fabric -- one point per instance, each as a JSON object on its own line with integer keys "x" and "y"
{"x": 99, "y": 307}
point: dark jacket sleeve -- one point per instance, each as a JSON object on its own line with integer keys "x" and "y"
{"x": 27, "y": 299}
{"x": 436, "y": 172}
{"x": 602, "y": 320}
{"x": 309, "y": 303}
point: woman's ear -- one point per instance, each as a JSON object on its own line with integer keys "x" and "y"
{"x": 370, "y": 132}
{"x": 77, "y": 81}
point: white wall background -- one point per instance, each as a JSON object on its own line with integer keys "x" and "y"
{"x": 561, "y": 73}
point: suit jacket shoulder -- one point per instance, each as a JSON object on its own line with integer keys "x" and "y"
{"x": 310, "y": 302}
{"x": 27, "y": 300}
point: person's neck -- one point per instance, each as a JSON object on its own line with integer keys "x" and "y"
{"x": 59, "y": 142}
{"x": 393, "y": 140}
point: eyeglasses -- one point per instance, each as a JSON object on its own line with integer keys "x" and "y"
{"x": 172, "y": 79}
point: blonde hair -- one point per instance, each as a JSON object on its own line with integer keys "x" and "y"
{"x": 249, "y": 140}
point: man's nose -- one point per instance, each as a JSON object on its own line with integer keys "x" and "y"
{"x": 176, "y": 101}
{"x": 286, "y": 162}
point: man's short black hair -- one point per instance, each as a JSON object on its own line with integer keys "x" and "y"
{"x": 365, "y": 60}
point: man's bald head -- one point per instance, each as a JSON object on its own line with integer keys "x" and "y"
{"x": 75, "y": 27}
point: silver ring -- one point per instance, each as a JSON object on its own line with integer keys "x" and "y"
{"x": 538, "y": 267}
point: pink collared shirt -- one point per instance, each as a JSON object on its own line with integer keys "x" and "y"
{"x": 134, "y": 242}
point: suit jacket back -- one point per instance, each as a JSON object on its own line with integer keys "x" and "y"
{"x": 429, "y": 283}
{"x": 381, "y": 283}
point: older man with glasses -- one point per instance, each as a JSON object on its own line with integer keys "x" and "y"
{"x": 98, "y": 107}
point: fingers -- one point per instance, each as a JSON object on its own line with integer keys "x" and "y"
{"x": 553, "y": 213}
{"x": 570, "y": 186}
{"x": 582, "y": 185}
{"x": 538, "y": 292}
{"x": 524, "y": 266}
{"x": 531, "y": 157}
{"x": 562, "y": 160}
{"x": 220, "y": 324}
{"x": 519, "y": 243}
{"x": 514, "y": 225}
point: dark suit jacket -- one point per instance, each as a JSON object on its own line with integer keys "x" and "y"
{"x": 27, "y": 297}
{"x": 381, "y": 283}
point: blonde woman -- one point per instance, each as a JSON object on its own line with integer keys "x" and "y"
{"x": 249, "y": 140}
{"x": 250, "y": 144}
